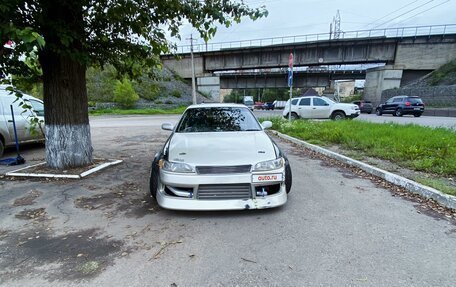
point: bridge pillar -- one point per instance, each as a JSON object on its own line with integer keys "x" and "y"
{"x": 379, "y": 79}
{"x": 209, "y": 86}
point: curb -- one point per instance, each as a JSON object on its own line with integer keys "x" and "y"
{"x": 20, "y": 172}
{"x": 410, "y": 185}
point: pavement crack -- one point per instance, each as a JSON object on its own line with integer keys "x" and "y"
{"x": 64, "y": 194}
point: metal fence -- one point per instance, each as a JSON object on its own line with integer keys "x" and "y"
{"x": 374, "y": 33}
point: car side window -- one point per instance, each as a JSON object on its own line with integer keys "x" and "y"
{"x": 38, "y": 107}
{"x": 319, "y": 102}
{"x": 398, "y": 100}
{"x": 389, "y": 101}
{"x": 294, "y": 102}
{"x": 305, "y": 102}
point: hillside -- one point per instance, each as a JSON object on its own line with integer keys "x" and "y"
{"x": 164, "y": 87}
{"x": 443, "y": 76}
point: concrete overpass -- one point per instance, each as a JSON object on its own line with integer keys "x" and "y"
{"x": 407, "y": 53}
{"x": 301, "y": 79}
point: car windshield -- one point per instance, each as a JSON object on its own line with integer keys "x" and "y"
{"x": 220, "y": 119}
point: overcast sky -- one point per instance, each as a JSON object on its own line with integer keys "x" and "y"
{"x": 298, "y": 17}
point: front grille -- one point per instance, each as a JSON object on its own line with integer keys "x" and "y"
{"x": 223, "y": 169}
{"x": 224, "y": 191}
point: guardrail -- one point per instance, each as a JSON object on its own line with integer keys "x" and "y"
{"x": 374, "y": 33}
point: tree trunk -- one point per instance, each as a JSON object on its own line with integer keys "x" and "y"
{"x": 68, "y": 142}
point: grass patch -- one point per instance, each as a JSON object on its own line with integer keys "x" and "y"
{"x": 100, "y": 112}
{"x": 414, "y": 147}
{"x": 438, "y": 184}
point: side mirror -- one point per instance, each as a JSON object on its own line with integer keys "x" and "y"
{"x": 266, "y": 124}
{"x": 167, "y": 127}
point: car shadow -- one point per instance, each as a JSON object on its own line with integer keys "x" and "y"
{"x": 223, "y": 213}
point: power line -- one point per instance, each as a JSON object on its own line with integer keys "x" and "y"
{"x": 424, "y": 11}
{"x": 391, "y": 13}
{"x": 404, "y": 13}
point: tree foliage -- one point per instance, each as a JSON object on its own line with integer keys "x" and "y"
{"x": 128, "y": 34}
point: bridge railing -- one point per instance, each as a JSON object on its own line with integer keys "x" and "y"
{"x": 373, "y": 33}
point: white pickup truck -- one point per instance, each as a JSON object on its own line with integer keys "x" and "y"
{"x": 21, "y": 117}
{"x": 316, "y": 107}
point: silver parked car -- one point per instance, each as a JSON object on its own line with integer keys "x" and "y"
{"x": 219, "y": 158}
{"x": 25, "y": 131}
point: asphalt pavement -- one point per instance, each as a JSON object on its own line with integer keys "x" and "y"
{"x": 445, "y": 122}
{"x": 337, "y": 229}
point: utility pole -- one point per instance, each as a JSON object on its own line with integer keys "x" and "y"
{"x": 193, "y": 71}
{"x": 290, "y": 83}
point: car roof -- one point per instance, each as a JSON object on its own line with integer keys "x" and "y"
{"x": 5, "y": 93}
{"x": 216, "y": 105}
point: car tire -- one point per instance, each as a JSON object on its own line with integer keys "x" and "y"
{"x": 288, "y": 176}
{"x": 337, "y": 116}
{"x": 294, "y": 116}
{"x": 417, "y": 115}
{"x": 378, "y": 112}
{"x": 2, "y": 148}
{"x": 154, "y": 178}
{"x": 398, "y": 113}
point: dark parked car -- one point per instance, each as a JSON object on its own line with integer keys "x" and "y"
{"x": 268, "y": 106}
{"x": 401, "y": 105}
{"x": 364, "y": 106}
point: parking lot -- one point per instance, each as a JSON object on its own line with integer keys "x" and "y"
{"x": 338, "y": 228}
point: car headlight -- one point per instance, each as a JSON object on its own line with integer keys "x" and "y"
{"x": 177, "y": 166}
{"x": 354, "y": 107}
{"x": 269, "y": 164}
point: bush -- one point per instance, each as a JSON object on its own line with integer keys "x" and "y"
{"x": 353, "y": 98}
{"x": 124, "y": 94}
{"x": 176, "y": 93}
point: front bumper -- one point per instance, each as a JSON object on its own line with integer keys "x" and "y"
{"x": 354, "y": 114}
{"x": 192, "y": 182}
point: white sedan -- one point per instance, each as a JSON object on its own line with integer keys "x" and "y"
{"x": 219, "y": 158}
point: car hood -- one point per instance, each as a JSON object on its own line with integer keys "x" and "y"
{"x": 344, "y": 106}
{"x": 221, "y": 148}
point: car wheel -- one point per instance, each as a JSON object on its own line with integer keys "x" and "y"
{"x": 337, "y": 116}
{"x": 398, "y": 113}
{"x": 378, "y": 112}
{"x": 154, "y": 174}
{"x": 294, "y": 116}
{"x": 288, "y": 176}
{"x": 417, "y": 115}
